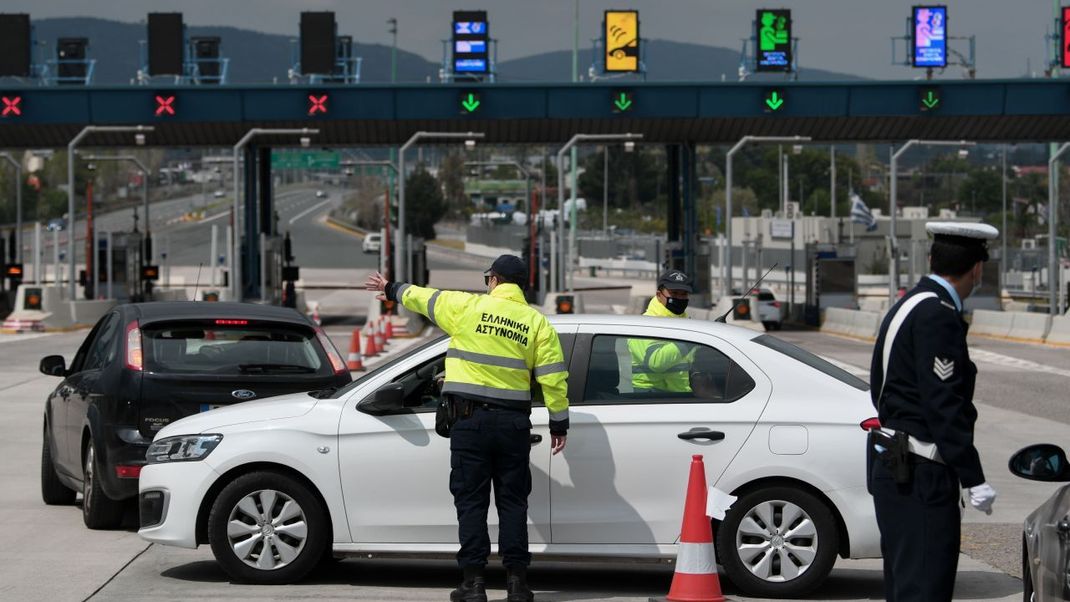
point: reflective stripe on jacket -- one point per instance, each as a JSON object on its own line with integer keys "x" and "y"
{"x": 660, "y": 365}
{"x": 497, "y": 343}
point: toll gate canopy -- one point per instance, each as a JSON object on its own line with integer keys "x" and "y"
{"x": 1021, "y": 110}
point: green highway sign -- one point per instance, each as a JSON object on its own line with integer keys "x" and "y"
{"x": 623, "y": 101}
{"x": 320, "y": 159}
{"x": 929, "y": 99}
{"x": 774, "y": 101}
{"x": 470, "y": 102}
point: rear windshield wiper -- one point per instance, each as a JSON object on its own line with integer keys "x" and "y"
{"x": 261, "y": 368}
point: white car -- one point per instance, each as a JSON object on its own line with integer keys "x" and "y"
{"x": 277, "y": 486}
{"x": 218, "y": 193}
{"x": 769, "y": 309}
{"x": 373, "y": 243}
{"x": 321, "y": 194}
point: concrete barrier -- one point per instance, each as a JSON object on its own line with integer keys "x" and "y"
{"x": 87, "y": 313}
{"x": 1030, "y": 327}
{"x": 46, "y": 310}
{"x": 866, "y": 324}
{"x": 992, "y": 323}
{"x": 838, "y": 321}
{"x": 1059, "y": 333}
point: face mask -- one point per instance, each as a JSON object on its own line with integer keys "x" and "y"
{"x": 676, "y": 306}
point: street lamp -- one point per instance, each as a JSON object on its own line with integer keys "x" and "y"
{"x": 144, "y": 196}
{"x": 235, "y": 252}
{"x": 18, "y": 206}
{"x": 1053, "y": 199}
{"x": 401, "y": 268}
{"x": 140, "y": 131}
{"x": 893, "y": 202}
{"x": 726, "y": 268}
{"x": 554, "y": 271}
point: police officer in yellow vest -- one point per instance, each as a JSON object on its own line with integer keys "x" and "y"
{"x": 498, "y": 344}
{"x": 663, "y": 366}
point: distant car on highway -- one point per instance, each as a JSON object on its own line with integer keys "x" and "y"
{"x": 770, "y": 312}
{"x": 321, "y": 194}
{"x": 1046, "y": 531}
{"x": 276, "y": 486}
{"x": 218, "y": 193}
{"x": 57, "y": 224}
{"x": 373, "y": 243}
{"x": 144, "y": 366}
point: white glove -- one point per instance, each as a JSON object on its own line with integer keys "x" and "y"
{"x": 982, "y": 496}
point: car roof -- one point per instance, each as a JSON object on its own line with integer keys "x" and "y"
{"x": 725, "y": 331}
{"x": 160, "y": 311}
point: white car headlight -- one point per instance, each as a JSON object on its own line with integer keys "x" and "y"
{"x": 183, "y": 448}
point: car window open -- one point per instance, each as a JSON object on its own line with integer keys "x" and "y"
{"x": 641, "y": 370}
{"x": 207, "y": 347}
{"x": 815, "y": 362}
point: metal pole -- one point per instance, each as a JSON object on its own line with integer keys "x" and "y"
{"x": 893, "y": 242}
{"x": 55, "y": 258}
{"x": 95, "y": 252}
{"x": 832, "y": 183}
{"x": 605, "y": 193}
{"x": 263, "y": 267}
{"x": 576, "y": 42}
{"x": 230, "y": 252}
{"x": 1003, "y": 242}
{"x": 570, "y": 266}
{"x": 1053, "y": 200}
{"x": 37, "y": 279}
{"x": 108, "y": 263}
{"x": 212, "y": 256}
{"x": 18, "y": 205}
{"x": 785, "y": 190}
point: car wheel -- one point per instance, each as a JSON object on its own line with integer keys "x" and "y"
{"x": 1028, "y": 594}
{"x": 778, "y": 542}
{"x": 98, "y": 510}
{"x": 777, "y": 325}
{"x": 267, "y": 528}
{"x": 767, "y": 326}
{"x": 53, "y": 491}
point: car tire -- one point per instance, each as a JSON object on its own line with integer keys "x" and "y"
{"x": 1028, "y": 593}
{"x": 98, "y": 510}
{"x": 760, "y": 570}
{"x": 238, "y": 538}
{"x": 767, "y": 326}
{"x": 53, "y": 491}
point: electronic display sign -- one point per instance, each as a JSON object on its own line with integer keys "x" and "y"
{"x": 621, "y": 41}
{"x": 774, "y": 40}
{"x": 929, "y": 36}
{"x": 471, "y": 42}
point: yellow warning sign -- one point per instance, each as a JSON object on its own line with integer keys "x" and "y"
{"x": 621, "y": 40}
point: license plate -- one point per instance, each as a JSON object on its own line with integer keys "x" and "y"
{"x": 210, "y": 406}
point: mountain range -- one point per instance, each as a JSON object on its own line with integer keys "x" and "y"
{"x": 257, "y": 57}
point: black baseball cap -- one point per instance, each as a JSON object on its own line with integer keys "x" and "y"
{"x": 509, "y": 266}
{"x": 675, "y": 280}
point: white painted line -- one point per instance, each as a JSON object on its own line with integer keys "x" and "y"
{"x": 309, "y": 210}
{"x": 15, "y": 338}
{"x": 1006, "y": 361}
{"x": 214, "y": 217}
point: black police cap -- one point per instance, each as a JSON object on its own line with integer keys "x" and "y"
{"x": 675, "y": 280}
{"x": 509, "y": 266}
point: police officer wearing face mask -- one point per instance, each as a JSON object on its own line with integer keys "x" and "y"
{"x": 922, "y": 387}
{"x": 664, "y": 366}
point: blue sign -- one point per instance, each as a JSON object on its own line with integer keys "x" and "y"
{"x": 470, "y": 46}
{"x": 470, "y": 66}
{"x": 470, "y": 27}
{"x": 471, "y": 42}
{"x": 929, "y": 36}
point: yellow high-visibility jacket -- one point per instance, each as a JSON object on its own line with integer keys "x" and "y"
{"x": 497, "y": 342}
{"x": 659, "y": 365}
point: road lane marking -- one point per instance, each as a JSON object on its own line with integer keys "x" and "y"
{"x": 309, "y": 210}
{"x": 990, "y": 357}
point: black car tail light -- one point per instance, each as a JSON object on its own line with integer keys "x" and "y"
{"x": 135, "y": 359}
{"x": 153, "y": 505}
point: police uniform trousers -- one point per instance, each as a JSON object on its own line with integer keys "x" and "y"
{"x": 491, "y": 446}
{"x": 920, "y": 525}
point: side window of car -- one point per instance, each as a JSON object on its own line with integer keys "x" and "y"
{"x": 104, "y": 347}
{"x": 646, "y": 370}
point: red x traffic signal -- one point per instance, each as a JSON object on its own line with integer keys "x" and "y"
{"x": 317, "y": 103}
{"x": 12, "y": 106}
{"x": 165, "y": 105}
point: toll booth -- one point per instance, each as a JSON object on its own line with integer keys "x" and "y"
{"x": 273, "y": 262}
{"x": 420, "y": 275}
{"x": 117, "y": 269}
{"x": 831, "y": 279}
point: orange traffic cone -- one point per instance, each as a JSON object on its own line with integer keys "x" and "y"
{"x": 369, "y": 338}
{"x": 355, "y": 361}
{"x": 377, "y": 330}
{"x": 316, "y": 315}
{"x": 696, "y": 577}
{"x": 389, "y": 326}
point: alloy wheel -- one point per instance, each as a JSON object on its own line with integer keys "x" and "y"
{"x": 267, "y": 529}
{"x": 777, "y": 541}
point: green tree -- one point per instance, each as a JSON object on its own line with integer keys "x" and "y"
{"x": 451, "y": 174}
{"x": 424, "y": 203}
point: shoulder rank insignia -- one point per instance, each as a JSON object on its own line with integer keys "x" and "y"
{"x": 943, "y": 368}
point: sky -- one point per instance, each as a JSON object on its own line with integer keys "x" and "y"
{"x": 849, "y": 36}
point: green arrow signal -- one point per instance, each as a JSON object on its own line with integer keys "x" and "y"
{"x": 622, "y": 103}
{"x": 930, "y": 101}
{"x": 471, "y": 103}
{"x": 775, "y": 101}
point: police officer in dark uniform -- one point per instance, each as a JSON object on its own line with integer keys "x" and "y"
{"x": 924, "y": 454}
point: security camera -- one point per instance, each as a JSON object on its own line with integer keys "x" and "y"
{"x": 629, "y": 146}
{"x": 139, "y": 139}
{"x": 469, "y": 144}
{"x": 796, "y": 149}
{"x": 963, "y": 153}
{"x": 305, "y": 141}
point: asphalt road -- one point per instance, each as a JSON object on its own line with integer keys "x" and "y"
{"x": 49, "y": 555}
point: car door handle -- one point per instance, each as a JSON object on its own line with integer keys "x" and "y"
{"x": 701, "y": 434}
{"x": 535, "y": 439}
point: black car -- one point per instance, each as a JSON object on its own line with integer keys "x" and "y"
{"x": 146, "y": 365}
{"x": 1045, "y": 532}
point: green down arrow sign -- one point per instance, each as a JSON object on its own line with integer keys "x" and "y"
{"x": 774, "y": 100}
{"x": 622, "y": 102}
{"x": 930, "y": 100}
{"x": 470, "y": 102}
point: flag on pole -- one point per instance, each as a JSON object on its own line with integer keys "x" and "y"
{"x": 860, "y": 214}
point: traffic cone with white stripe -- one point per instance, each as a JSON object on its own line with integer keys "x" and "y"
{"x": 377, "y": 330}
{"x": 696, "y": 577}
{"x": 389, "y": 325}
{"x": 372, "y": 350}
{"x": 355, "y": 362}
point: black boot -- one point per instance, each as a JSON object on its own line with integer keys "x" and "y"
{"x": 516, "y": 585}
{"x": 473, "y": 588}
